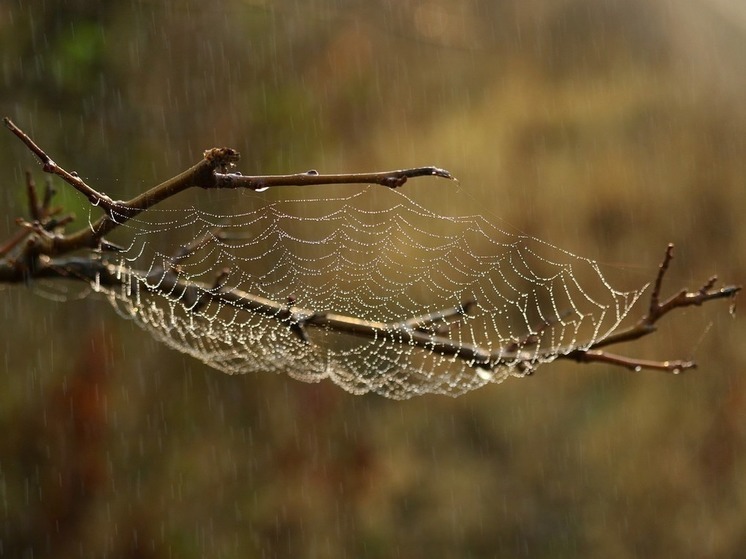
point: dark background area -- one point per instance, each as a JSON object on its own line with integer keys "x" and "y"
{"x": 608, "y": 128}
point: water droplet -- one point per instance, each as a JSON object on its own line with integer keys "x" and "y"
{"x": 676, "y": 370}
{"x": 485, "y": 374}
{"x": 261, "y": 189}
{"x": 638, "y": 369}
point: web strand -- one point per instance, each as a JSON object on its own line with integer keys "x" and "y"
{"x": 380, "y": 258}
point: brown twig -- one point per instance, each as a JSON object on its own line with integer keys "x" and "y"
{"x": 648, "y": 323}
{"x": 391, "y": 179}
{"x": 592, "y": 356}
{"x": 49, "y": 193}
{"x": 657, "y": 310}
{"x": 298, "y": 319}
{"x": 49, "y": 166}
{"x": 203, "y": 175}
{"x": 35, "y": 210}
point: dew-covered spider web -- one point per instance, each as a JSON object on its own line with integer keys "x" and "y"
{"x": 372, "y": 291}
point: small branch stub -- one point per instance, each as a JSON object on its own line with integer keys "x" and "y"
{"x": 42, "y": 249}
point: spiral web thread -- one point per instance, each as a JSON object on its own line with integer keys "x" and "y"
{"x": 375, "y": 255}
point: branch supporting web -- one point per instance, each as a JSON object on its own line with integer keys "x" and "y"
{"x": 372, "y": 291}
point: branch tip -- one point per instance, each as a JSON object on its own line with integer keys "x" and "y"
{"x": 662, "y": 269}
{"x": 35, "y": 210}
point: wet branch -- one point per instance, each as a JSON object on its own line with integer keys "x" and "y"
{"x": 42, "y": 249}
{"x": 210, "y": 173}
{"x": 648, "y": 323}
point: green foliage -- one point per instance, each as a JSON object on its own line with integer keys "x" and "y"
{"x": 78, "y": 59}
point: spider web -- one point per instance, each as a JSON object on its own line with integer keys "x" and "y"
{"x": 374, "y": 256}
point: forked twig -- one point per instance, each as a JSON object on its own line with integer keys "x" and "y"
{"x": 648, "y": 323}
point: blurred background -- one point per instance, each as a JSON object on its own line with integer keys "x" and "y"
{"x": 606, "y": 127}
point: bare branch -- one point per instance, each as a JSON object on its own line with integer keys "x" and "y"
{"x": 204, "y": 175}
{"x": 88, "y": 270}
{"x": 39, "y": 251}
{"x": 630, "y": 363}
{"x": 298, "y": 319}
{"x": 49, "y": 193}
{"x": 391, "y": 179}
{"x": 662, "y": 269}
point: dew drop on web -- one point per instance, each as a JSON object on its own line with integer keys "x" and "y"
{"x": 376, "y": 257}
